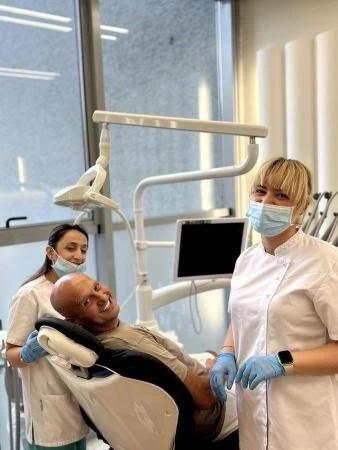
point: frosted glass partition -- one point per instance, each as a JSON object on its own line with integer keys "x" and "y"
{"x": 41, "y": 129}
{"x": 162, "y": 60}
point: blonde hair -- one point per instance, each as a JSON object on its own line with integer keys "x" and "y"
{"x": 290, "y": 176}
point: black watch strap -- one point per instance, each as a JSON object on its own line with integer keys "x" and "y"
{"x": 286, "y": 360}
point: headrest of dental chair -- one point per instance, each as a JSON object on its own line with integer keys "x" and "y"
{"x": 68, "y": 341}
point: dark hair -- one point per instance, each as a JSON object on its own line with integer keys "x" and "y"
{"x": 56, "y": 234}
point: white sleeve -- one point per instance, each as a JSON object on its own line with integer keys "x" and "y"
{"x": 326, "y": 301}
{"x": 237, "y": 266}
{"x": 23, "y": 314}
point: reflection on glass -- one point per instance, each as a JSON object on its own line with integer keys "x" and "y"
{"x": 166, "y": 65}
{"x": 41, "y": 130}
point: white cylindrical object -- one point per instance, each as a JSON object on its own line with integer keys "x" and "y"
{"x": 327, "y": 109}
{"x": 144, "y": 307}
{"x": 271, "y": 101}
{"x": 168, "y": 294}
{"x": 300, "y": 101}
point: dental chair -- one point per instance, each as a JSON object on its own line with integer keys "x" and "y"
{"x": 130, "y": 399}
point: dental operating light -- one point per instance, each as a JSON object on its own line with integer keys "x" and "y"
{"x": 85, "y": 193}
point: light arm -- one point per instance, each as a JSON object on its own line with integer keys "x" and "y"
{"x": 168, "y": 294}
{"x": 180, "y": 123}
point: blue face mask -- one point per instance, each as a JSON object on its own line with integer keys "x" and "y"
{"x": 64, "y": 267}
{"x": 269, "y": 220}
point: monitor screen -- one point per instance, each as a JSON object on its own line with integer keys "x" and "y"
{"x": 208, "y": 248}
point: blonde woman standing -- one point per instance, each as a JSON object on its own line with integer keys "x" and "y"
{"x": 282, "y": 346}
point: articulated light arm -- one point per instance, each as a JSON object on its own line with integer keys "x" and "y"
{"x": 182, "y": 124}
{"x": 220, "y": 172}
{"x": 169, "y": 294}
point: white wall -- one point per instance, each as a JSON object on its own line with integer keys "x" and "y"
{"x": 264, "y": 23}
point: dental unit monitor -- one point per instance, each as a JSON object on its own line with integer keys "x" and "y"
{"x": 208, "y": 248}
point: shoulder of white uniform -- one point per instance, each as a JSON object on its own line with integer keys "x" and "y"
{"x": 321, "y": 250}
{"x": 320, "y": 244}
{"x": 246, "y": 255}
{"x": 248, "y": 251}
{"x": 31, "y": 286}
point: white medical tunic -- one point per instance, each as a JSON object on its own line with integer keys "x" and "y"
{"x": 286, "y": 301}
{"x": 52, "y": 415}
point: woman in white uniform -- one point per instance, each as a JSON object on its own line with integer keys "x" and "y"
{"x": 53, "y": 419}
{"x": 282, "y": 346}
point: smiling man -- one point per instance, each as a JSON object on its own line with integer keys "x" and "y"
{"x": 88, "y": 303}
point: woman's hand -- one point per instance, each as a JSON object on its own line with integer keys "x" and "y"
{"x": 225, "y": 366}
{"x": 32, "y": 350}
{"x": 257, "y": 369}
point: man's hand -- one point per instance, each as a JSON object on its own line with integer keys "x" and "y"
{"x": 225, "y": 366}
{"x": 210, "y": 362}
{"x": 32, "y": 350}
{"x": 257, "y": 369}
{"x": 199, "y": 389}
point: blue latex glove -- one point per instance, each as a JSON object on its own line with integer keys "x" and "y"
{"x": 225, "y": 365}
{"x": 257, "y": 369}
{"x": 32, "y": 350}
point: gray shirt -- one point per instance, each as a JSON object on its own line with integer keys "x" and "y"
{"x": 133, "y": 337}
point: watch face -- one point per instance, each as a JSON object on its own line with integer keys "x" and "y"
{"x": 285, "y": 357}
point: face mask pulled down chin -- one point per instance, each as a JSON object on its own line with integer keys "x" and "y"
{"x": 269, "y": 220}
{"x": 63, "y": 267}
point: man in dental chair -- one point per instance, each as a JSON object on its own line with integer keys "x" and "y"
{"x": 88, "y": 303}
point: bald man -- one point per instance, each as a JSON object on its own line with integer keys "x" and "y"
{"x": 88, "y": 303}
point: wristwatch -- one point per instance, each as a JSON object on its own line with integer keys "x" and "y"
{"x": 286, "y": 360}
